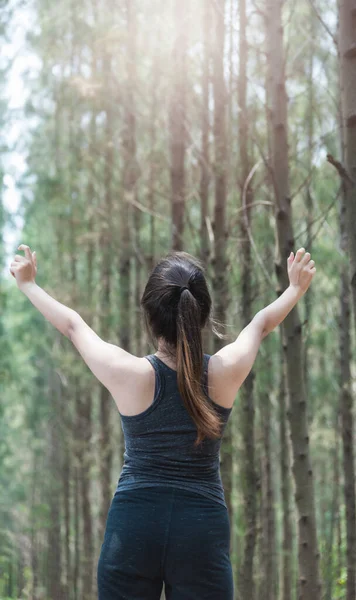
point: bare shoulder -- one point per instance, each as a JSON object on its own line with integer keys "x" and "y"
{"x": 133, "y": 389}
{"x": 222, "y": 387}
{"x": 230, "y": 366}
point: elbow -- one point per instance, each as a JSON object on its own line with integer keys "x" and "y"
{"x": 72, "y": 325}
{"x": 264, "y": 333}
{"x": 263, "y": 325}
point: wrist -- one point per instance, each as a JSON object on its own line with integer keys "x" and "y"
{"x": 296, "y": 290}
{"x": 26, "y": 286}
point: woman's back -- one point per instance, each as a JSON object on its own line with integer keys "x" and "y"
{"x": 159, "y": 441}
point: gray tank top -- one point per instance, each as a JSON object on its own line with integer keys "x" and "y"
{"x": 159, "y": 442}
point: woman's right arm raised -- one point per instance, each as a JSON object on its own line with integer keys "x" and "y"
{"x": 233, "y": 362}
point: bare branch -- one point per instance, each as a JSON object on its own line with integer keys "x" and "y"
{"x": 346, "y": 178}
{"x": 247, "y": 224}
{"x": 322, "y": 216}
{"x": 327, "y": 29}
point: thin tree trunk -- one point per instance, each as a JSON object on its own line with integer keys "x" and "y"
{"x": 33, "y": 548}
{"x": 85, "y": 413}
{"x": 204, "y": 157}
{"x": 309, "y": 577}
{"x": 347, "y": 57}
{"x": 286, "y": 576}
{"x": 330, "y": 567}
{"x": 130, "y": 174}
{"x": 54, "y": 567}
{"x": 84, "y": 470}
{"x": 76, "y": 524}
{"x": 106, "y": 453}
{"x": 346, "y": 411}
{"x": 269, "y": 536}
{"x": 153, "y": 158}
{"x": 66, "y": 475}
{"x": 177, "y": 122}
{"x": 220, "y": 287}
{"x": 248, "y": 477}
{"x": 309, "y": 204}
{"x": 340, "y": 545}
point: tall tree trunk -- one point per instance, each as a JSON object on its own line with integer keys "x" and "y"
{"x": 66, "y": 473}
{"x": 33, "y": 533}
{"x": 54, "y": 567}
{"x": 346, "y": 412}
{"x": 153, "y": 157}
{"x": 204, "y": 157}
{"x": 309, "y": 204}
{"x": 84, "y": 472}
{"x": 106, "y": 453}
{"x": 309, "y": 578}
{"x": 330, "y": 567}
{"x": 85, "y": 413}
{"x": 130, "y": 174}
{"x": 347, "y": 57}
{"x": 220, "y": 287}
{"x": 286, "y": 575}
{"x": 269, "y": 571}
{"x": 177, "y": 122}
{"x": 63, "y": 403}
{"x": 76, "y": 525}
{"x": 246, "y": 407}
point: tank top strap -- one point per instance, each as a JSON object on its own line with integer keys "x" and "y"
{"x": 163, "y": 370}
{"x": 206, "y": 358}
{"x": 159, "y": 379}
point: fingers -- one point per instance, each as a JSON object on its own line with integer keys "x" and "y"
{"x": 302, "y": 259}
{"x": 27, "y": 251}
{"x": 305, "y": 260}
{"x": 299, "y": 255}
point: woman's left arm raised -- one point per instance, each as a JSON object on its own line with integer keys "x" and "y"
{"x": 108, "y": 362}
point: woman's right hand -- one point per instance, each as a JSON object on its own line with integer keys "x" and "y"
{"x": 301, "y": 269}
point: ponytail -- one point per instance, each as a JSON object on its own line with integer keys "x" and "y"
{"x": 190, "y": 368}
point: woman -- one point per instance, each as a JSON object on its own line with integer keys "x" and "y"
{"x": 168, "y": 520}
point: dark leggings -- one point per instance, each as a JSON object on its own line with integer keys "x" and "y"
{"x": 157, "y": 535}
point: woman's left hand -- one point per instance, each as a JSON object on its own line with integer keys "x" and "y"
{"x": 24, "y": 268}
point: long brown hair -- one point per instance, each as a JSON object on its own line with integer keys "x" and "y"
{"x": 178, "y": 316}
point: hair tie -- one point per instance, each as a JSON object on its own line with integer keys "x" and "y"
{"x": 184, "y": 287}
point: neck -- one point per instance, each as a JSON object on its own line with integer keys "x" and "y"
{"x": 167, "y": 353}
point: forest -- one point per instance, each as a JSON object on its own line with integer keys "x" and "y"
{"x": 224, "y": 128}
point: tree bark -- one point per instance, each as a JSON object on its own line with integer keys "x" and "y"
{"x": 269, "y": 571}
{"x": 204, "y": 157}
{"x": 330, "y": 567}
{"x": 54, "y": 567}
{"x": 76, "y": 526}
{"x": 105, "y": 444}
{"x": 346, "y": 412}
{"x": 308, "y": 554}
{"x": 177, "y": 122}
{"x": 286, "y": 575}
{"x": 347, "y": 57}
{"x": 246, "y": 407}
{"x": 219, "y": 262}
{"x": 309, "y": 203}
